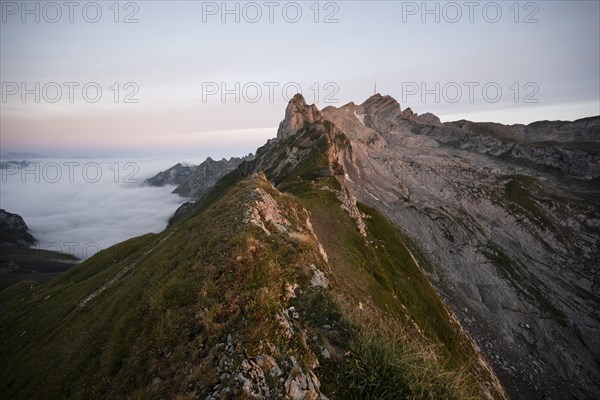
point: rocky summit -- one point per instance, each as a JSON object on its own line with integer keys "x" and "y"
{"x": 366, "y": 252}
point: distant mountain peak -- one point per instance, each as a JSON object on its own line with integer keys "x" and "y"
{"x": 298, "y": 98}
{"x": 193, "y": 180}
{"x": 388, "y": 108}
{"x": 14, "y": 230}
{"x": 297, "y": 115}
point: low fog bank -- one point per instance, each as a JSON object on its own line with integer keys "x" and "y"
{"x": 79, "y": 206}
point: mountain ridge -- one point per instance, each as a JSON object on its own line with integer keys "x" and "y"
{"x": 248, "y": 293}
{"x": 309, "y": 272}
{"x": 538, "y": 302}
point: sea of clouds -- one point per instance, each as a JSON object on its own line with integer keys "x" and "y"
{"x": 79, "y": 206}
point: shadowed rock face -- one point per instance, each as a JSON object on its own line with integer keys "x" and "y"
{"x": 21, "y": 262}
{"x": 14, "y": 230}
{"x": 194, "y": 180}
{"x": 175, "y": 175}
{"x": 509, "y": 217}
{"x": 205, "y": 175}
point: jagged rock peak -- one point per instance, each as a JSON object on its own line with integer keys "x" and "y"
{"x": 387, "y": 108}
{"x": 380, "y": 110}
{"x": 427, "y": 118}
{"x": 248, "y": 157}
{"x": 297, "y": 115}
{"x": 381, "y": 102}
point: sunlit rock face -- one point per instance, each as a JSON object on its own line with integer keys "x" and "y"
{"x": 509, "y": 217}
{"x": 297, "y": 115}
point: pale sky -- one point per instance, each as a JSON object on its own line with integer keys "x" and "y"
{"x": 496, "y": 61}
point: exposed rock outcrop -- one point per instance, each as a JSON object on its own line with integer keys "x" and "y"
{"x": 297, "y": 116}
{"x": 14, "y": 230}
{"x": 194, "y": 180}
{"x": 175, "y": 175}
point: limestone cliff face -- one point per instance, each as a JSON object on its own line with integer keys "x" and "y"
{"x": 509, "y": 217}
{"x": 569, "y": 148}
{"x": 297, "y": 115}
